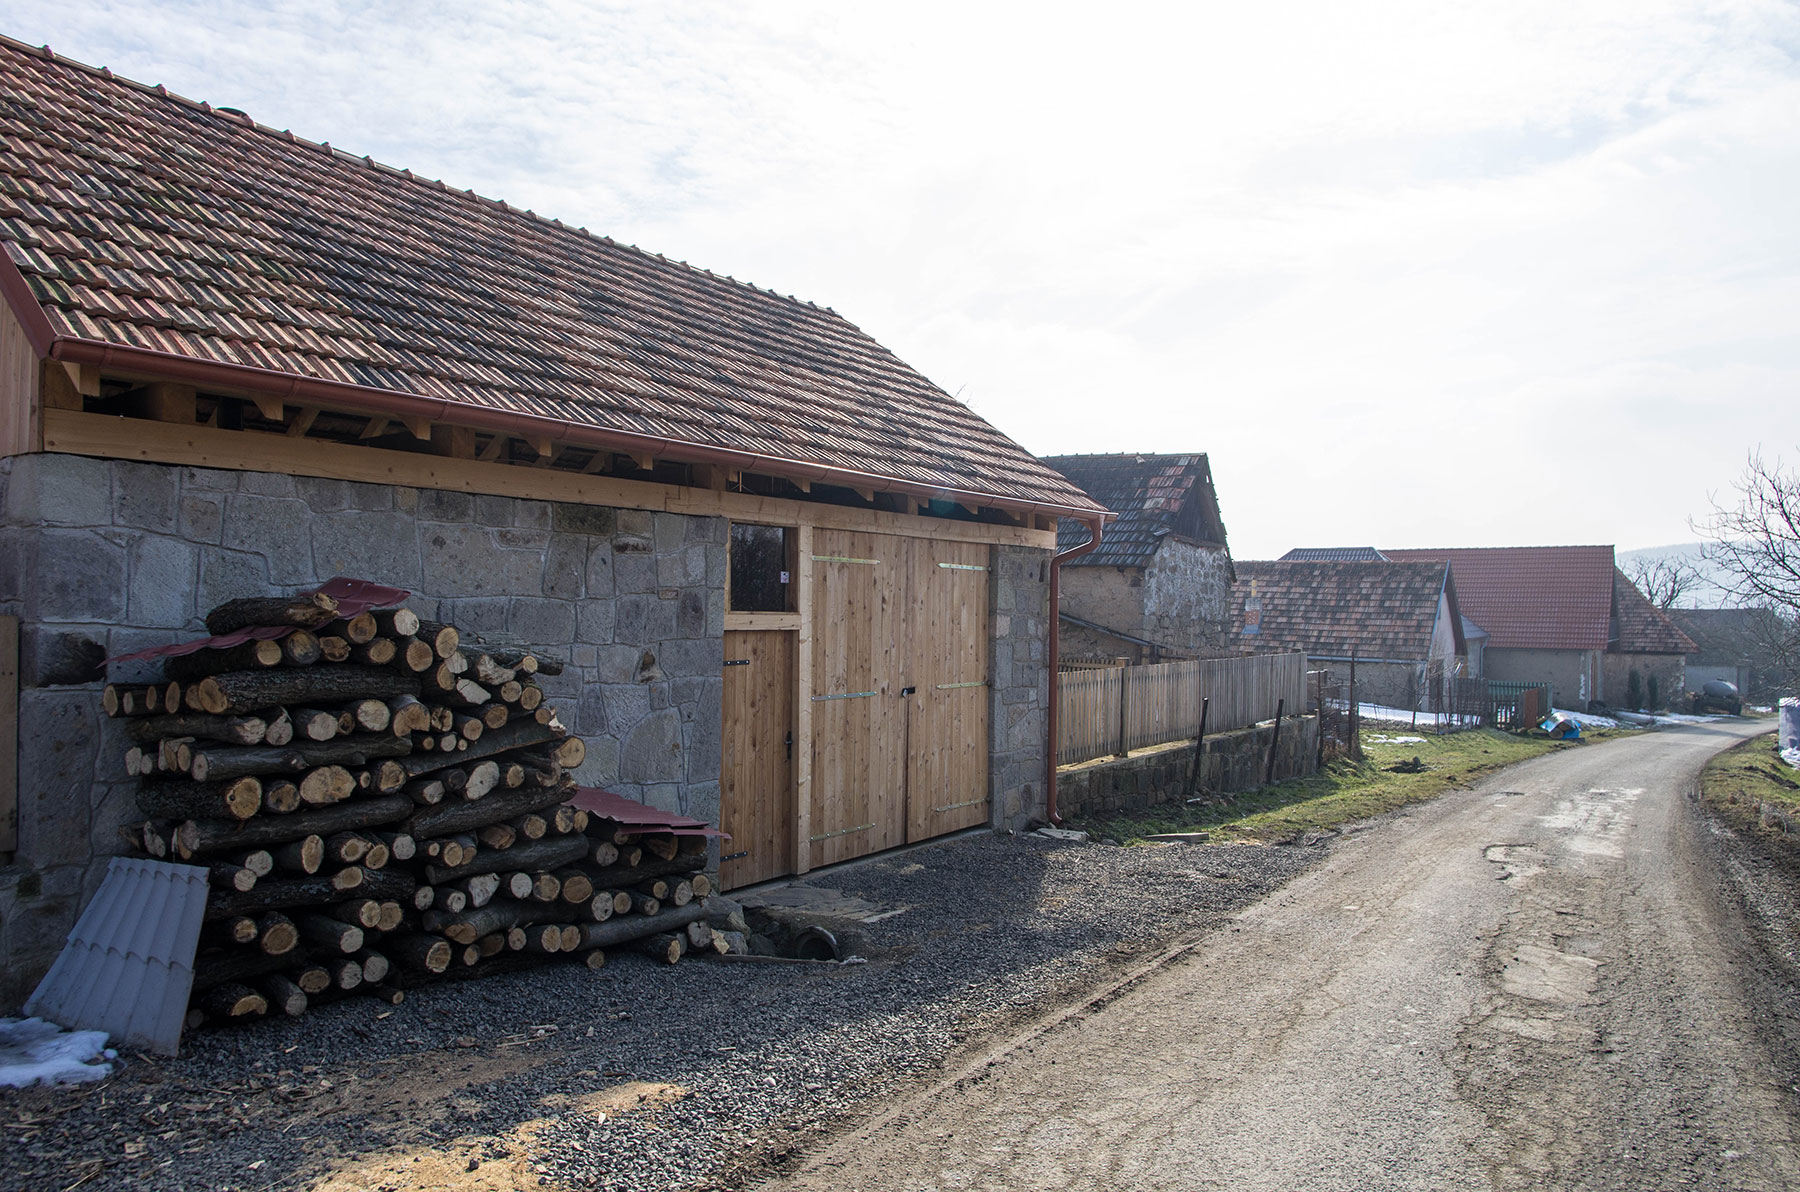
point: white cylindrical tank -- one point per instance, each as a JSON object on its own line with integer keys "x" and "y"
{"x": 1790, "y": 724}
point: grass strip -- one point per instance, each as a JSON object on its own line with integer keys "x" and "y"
{"x": 1756, "y": 793}
{"x": 1344, "y": 791}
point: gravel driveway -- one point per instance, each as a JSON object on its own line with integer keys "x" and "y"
{"x": 640, "y": 1076}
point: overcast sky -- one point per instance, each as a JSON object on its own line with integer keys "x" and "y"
{"x": 1412, "y": 273}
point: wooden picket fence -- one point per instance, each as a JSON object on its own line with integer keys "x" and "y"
{"x": 1115, "y": 710}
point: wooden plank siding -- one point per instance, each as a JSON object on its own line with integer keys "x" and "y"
{"x": 947, "y": 715}
{"x": 21, "y": 399}
{"x": 1162, "y": 702}
{"x": 756, "y": 789}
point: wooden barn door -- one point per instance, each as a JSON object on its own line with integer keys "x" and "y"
{"x": 756, "y": 783}
{"x": 947, "y": 773}
{"x": 899, "y": 697}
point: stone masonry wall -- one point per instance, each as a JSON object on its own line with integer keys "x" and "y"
{"x": 1019, "y": 668}
{"x": 1234, "y": 762}
{"x": 1187, "y": 597}
{"x": 99, "y": 558}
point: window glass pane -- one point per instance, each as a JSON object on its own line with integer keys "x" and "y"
{"x": 759, "y": 569}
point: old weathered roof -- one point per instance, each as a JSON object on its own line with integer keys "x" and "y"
{"x": 165, "y": 229}
{"x": 1532, "y": 597}
{"x": 128, "y": 966}
{"x": 1153, "y": 496}
{"x": 1329, "y": 609}
{"x": 1340, "y": 554}
{"x": 1642, "y": 628}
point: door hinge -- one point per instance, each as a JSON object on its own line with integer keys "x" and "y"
{"x": 734, "y": 857}
{"x": 737, "y": 662}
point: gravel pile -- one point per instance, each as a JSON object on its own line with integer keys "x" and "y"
{"x": 992, "y": 930}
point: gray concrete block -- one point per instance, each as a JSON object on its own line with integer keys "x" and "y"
{"x": 718, "y": 568}
{"x": 532, "y": 515}
{"x": 114, "y": 805}
{"x": 597, "y": 619}
{"x": 58, "y": 656}
{"x": 468, "y": 561}
{"x": 614, "y": 664}
{"x": 382, "y": 546}
{"x": 623, "y": 705}
{"x": 476, "y": 615}
{"x": 542, "y": 622}
{"x": 601, "y": 766}
{"x": 684, "y": 658}
{"x": 598, "y": 578}
{"x": 682, "y": 568}
{"x": 659, "y": 694}
{"x": 584, "y": 656}
{"x": 216, "y": 480}
{"x": 144, "y": 496}
{"x": 705, "y": 531}
{"x": 372, "y": 498}
{"x": 590, "y": 711}
{"x": 565, "y": 566}
{"x": 440, "y": 505}
{"x": 267, "y": 484}
{"x": 59, "y": 737}
{"x": 227, "y": 575}
{"x": 702, "y": 741}
{"x": 59, "y": 490}
{"x": 715, "y": 612}
{"x": 275, "y": 527}
{"x": 669, "y": 532}
{"x": 634, "y": 574}
{"x": 406, "y": 500}
{"x": 75, "y": 575}
{"x": 694, "y": 689}
{"x": 703, "y": 801}
{"x": 322, "y": 495}
{"x": 164, "y": 572}
{"x": 202, "y": 517}
{"x": 494, "y": 511}
{"x": 664, "y": 796}
{"x": 644, "y": 620}
{"x": 590, "y": 520}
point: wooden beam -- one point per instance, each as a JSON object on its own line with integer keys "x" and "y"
{"x": 167, "y": 402}
{"x": 543, "y": 446}
{"x": 758, "y": 621}
{"x": 803, "y": 691}
{"x": 110, "y": 437}
{"x": 495, "y": 448}
{"x": 601, "y": 461}
{"x": 85, "y": 378}
{"x": 644, "y": 462}
{"x": 867, "y": 494}
{"x": 303, "y": 422}
{"x": 419, "y": 425}
{"x": 457, "y": 442}
{"x": 709, "y": 476}
{"x": 376, "y": 427}
{"x": 804, "y": 486}
{"x": 270, "y": 407}
{"x": 548, "y": 460}
{"x": 59, "y": 391}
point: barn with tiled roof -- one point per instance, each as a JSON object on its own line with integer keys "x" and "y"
{"x": 235, "y": 362}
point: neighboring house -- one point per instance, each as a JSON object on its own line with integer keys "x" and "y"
{"x": 1401, "y": 622}
{"x": 1334, "y": 554}
{"x": 1736, "y": 645}
{"x": 235, "y": 362}
{"x": 1159, "y": 586}
{"x": 1563, "y": 615}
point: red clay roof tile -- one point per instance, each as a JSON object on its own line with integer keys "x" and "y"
{"x": 1532, "y": 597}
{"x": 140, "y": 219}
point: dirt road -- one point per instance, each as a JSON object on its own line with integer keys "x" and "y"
{"x": 1532, "y": 984}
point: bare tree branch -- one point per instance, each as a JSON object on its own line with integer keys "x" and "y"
{"x": 1664, "y": 581}
{"x": 1756, "y": 542}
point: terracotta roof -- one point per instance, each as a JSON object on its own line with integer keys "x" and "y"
{"x": 1532, "y": 597}
{"x": 1341, "y": 554}
{"x": 1642, "y": 627}
{"x": 1152, "y": 496}
{"x": 1327, "y": 609}
{"x": 139, "y": 220}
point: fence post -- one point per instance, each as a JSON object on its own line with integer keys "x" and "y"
{"x": 1199, "y": 752}
{"x": 1274, "y": 742}
{"x": 1124, "y": 709}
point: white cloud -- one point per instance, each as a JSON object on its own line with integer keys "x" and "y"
{"x": 1411, "y": 272}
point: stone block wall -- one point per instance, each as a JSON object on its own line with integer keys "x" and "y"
{"x": 1181, "y": 600}
{"x": 99, "y": 558}
{"x": 1670, "y": 671}
{"x": 1019, "y": 673}
{"x": 1234, "y": 762}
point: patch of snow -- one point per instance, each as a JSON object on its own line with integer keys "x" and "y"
{"x": 1685, "y": 718}
{"x": 1382, "y": 739}
{"x": 1586, "y": 719}
{"x": 1791, "y": 757}
{"x": 33, "y": 1051}
{"x": 1401, "y": 715}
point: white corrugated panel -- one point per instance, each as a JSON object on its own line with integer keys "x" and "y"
{"x": 129, "y": 964}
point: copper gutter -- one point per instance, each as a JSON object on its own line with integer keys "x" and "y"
{"x": 1095, "y": 526}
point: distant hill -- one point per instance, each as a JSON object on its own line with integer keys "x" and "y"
{"x": 1714, "y": 591}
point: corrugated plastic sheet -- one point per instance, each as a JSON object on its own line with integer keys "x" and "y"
{"x": 129, "y": 964}
{"x": 138, "y": 218}
{"x": 630, "y": 813}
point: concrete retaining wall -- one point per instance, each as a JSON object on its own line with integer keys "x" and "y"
{"x": 1234, "y": 762}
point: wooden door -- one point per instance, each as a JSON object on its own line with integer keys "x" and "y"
{"x": 947, "y": 755}
{"x": 756, "y": 777}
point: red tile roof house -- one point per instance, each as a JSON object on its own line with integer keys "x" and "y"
{"x": 1401, "y": 621}
{"x": 234, "y": 362}
{"x": 1159, "y": 586}
{"x": 1567, "y": 616}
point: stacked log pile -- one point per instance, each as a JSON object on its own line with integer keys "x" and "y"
{"x": 379, "y": 804}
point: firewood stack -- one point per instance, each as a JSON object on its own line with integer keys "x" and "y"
{"x": 380, "y": 804}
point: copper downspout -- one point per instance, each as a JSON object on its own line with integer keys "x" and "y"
{"x": 1094, "y": 525}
